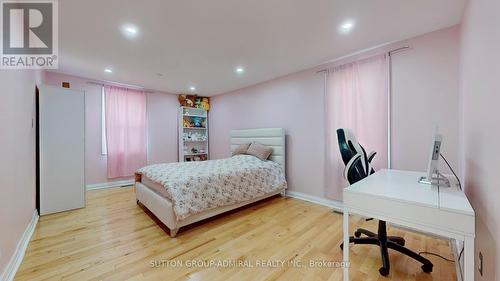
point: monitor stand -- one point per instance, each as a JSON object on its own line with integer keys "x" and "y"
{"x": 438, "y": 180}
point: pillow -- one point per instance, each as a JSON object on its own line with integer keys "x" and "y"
{"x": 241, "y": 149}
{"x": 260, "y": 151}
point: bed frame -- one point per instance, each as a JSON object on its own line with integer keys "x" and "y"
{"x": 162, "y": 207}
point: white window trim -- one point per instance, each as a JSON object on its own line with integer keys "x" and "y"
{"x": 104, "y": 141}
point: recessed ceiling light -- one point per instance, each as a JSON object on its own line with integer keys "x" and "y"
{"x": 239, "y": 70}
{"x": 130, "y": 31}
{"x": 192, "y": 88}
{"x": 108, "y": 70}
{"x": 346, "y": 27}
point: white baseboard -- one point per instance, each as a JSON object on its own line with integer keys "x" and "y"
{"x": 109, "y": 184}
{"x": 16, "y": 259}
{"x": 336, "y": 205}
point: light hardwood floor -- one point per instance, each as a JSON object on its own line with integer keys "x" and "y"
{"x": 114, "y": 239}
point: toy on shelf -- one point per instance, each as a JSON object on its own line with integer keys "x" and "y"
{"x": 197, "y": 102}
{"x": 197, "y": 122}
{"x": 196, "y": 158}
{"x": 187, "y": 100}
{"x": 194, "y": 102}
{"x": 194, "y": 136}
{"x": 205, "y": 104}
{"x": 194, "y": 122}
{"x": 196, "y": 150}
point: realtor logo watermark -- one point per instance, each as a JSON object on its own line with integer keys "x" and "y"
{"x": 29, "y": 34}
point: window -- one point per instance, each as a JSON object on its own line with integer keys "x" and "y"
{"x": 356, "y": 98}
{"x": 125, "y": 131}
{"x": 104, "y": 142}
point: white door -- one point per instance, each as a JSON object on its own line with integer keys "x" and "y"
{"x": 62, "y": 149}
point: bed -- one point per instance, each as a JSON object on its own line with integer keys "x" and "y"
{"x": 176, "y": 193}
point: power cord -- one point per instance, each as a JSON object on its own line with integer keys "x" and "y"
{"x": 444, "y": 258}
{"x": 459, "y": 264}
{"x": 437, "y": 255}
{"x": 451, "y": 169}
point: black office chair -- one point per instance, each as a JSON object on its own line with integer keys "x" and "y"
{"x": 358, "y": 166}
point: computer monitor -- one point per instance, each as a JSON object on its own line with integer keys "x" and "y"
{"x": 433, "y": 176}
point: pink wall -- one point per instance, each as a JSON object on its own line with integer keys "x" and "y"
{"x": 426, "y": 73}
{"x": 293, "y": 102}
{"x": 480, "y": 90}
{"x": 162, "y": 126}
{"x": 17, "y": 150}
{"x": 426, "y": 93}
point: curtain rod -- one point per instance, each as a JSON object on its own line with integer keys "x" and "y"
{"x": 123, "y": 85}
{"x": 390, "y": 52}
{"x": 398, "y": 50}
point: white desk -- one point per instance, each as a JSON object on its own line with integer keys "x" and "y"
{"x": 397, "y": 197}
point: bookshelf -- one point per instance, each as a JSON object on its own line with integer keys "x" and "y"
{"x": 193, "y": 134}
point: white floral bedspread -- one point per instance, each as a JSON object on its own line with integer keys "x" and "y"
{"x": 194, "y": 187}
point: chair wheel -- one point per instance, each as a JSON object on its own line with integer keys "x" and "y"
{"x": 427, "y": 268}
{"x": 357, "y": 234}
{"x": 400, "y": 242}
{"x": 383, "y": 271}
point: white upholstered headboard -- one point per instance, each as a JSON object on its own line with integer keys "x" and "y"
{"x": 274, "y": 137}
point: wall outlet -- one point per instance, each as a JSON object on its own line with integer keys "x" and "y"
{"x": 480, "y": 266}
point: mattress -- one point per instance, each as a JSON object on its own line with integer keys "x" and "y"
{"x": 194, "y": 187}
{"x": 156, "y": 187}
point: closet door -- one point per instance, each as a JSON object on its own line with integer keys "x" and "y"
{"x": 62, "y": 149}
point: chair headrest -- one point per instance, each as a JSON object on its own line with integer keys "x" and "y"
{"x": 347, "y": 134}
{"x": 347, "y": 140}
{"x": 350, "y": 151}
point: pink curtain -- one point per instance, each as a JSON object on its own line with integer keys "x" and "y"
{"x": 356, "y": 98}
{"x": 125, "y": 131}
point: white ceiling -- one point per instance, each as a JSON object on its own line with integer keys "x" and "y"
{"x": 196, "y": 42}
